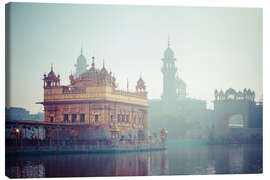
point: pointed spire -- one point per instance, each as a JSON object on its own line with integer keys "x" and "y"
{"x": 81, "y": 48}
{"x": 103, "y": 68}
{"x": 52, "y": 67}
{"x": 127, "y": 84}
{"x": 168, "y": 41}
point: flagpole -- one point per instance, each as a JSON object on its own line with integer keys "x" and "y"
{"x": 127, "y": 84}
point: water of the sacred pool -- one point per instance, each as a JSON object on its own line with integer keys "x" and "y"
{"x": 178, "y": 159}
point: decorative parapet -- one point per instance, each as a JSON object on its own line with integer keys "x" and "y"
{"x": 231, "y": 94}
{"x": 130, "y": 94}
{"x": 101, "y": 93}
{"x": 73, "y": 90}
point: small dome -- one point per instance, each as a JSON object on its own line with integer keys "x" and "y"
{"x": 230, "y": 91}
{"x": 169, "y": 53}
{"x": 140, "y": 81}
{"x": 81, "y": 59}
{"x": 180, "y": 82}
{"x": 51, "y": 74}
{"x": 140, "y": 84}
{"x": 103, "y": 70}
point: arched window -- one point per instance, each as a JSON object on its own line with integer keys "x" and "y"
{"x": 82, "y": 117}
{"x": 236, "y": 120}
{"x": 96, "y": 118}
{"x": 66, "y": 118}
{"x": 74, "y": 118}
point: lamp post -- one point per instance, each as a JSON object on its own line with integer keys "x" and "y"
{"x": 17, "y": 132}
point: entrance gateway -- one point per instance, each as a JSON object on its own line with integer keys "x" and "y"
{"x": 232, "y": 103}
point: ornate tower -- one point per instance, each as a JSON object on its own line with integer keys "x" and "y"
{"x": 173, "y": 86}
{"x": 53, "y": 88}
{"x": 169, "y": 75}
{"x": 51, "y": 80}
{"x": 180, "y": 88}
{"x": 81, "y": 65}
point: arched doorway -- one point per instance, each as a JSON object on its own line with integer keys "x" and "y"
{"x": 236, "y": 121}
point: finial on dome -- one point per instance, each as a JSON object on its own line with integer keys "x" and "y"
{"x": 168, "y": 41}
{"x": 103, "y": 68}
{"x": 93, "y": 63}
{"x": 81, "y": 48}
{"x": 140, "y": 84}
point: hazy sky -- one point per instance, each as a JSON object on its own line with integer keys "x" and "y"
{"x": 216, "y": 48}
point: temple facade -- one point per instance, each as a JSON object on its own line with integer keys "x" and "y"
{"x": 92, "y": 98}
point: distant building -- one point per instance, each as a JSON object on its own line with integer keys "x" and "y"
{"x": 174, "y": 96}
{"x": 38, "y": 117}
{"x": 18, "y": 113}
{"x": 173, "y": 86}
{"x": 81, "y": 65}
{"x": 232, "y": 103}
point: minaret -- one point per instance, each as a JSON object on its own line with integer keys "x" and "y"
{"x": 169, "y": 75}
{"x": 81, "y": 65}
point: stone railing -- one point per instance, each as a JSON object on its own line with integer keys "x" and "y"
{"x": 73, "y": 90}
{"x": 136, "y": 94}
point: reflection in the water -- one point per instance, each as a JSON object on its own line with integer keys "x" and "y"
{"x": 177, "y": 160}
